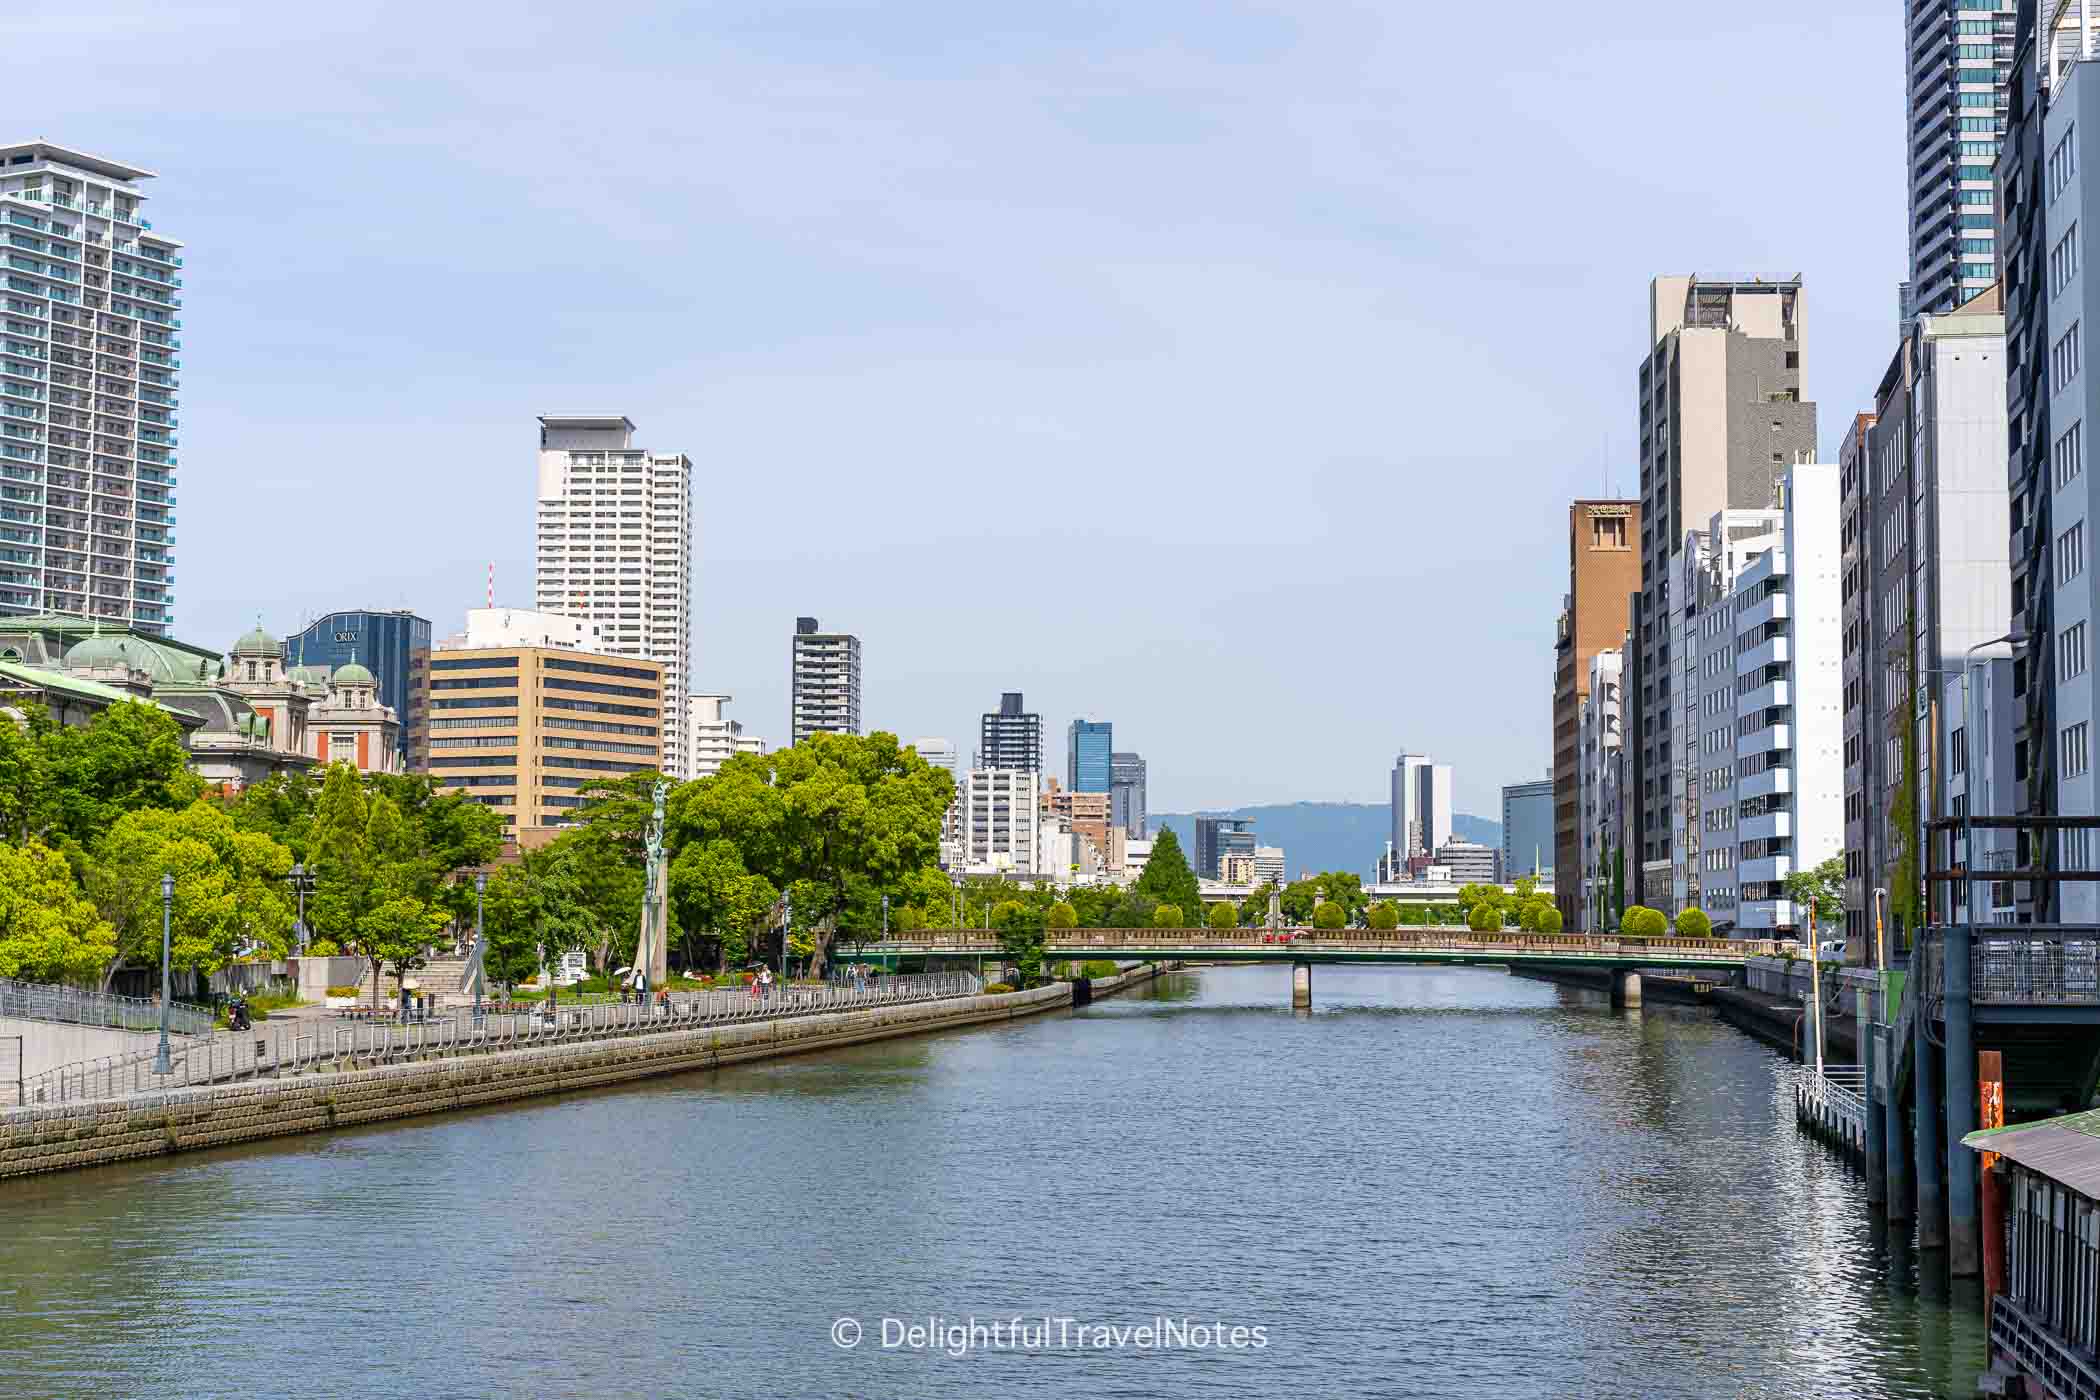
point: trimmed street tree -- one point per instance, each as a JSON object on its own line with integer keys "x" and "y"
{"x": 398, "y": 931}
{"x": 1167, "y": 916}
{"x": 1222, "y": 915}
{"x": 1330, "y": 915}
{"x": 1384, "y": 915}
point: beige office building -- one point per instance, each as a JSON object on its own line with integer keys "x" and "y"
{"x": 526, "y": 729}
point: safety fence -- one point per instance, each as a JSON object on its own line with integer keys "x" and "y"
{"x": 296, "y": 1045}
{"x": 40, "y": 1001}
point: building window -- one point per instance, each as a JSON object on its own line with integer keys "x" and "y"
{"x": 2067, "y": 457}
{"x": 1607, "y": 532}
{"x": 2064, "y": 360}
{"x": 2063, "y": 261}
{"x": 2070, "y": 553}
{"x": 2074, "y": 751}
{"x": 2063, "y": 162}
{"x": 2070, "y": 652}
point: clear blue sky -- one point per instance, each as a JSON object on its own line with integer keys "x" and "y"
{"x": 1218, "y": 369}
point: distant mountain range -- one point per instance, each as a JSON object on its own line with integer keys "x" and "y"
{"x": 1324, "y": 835}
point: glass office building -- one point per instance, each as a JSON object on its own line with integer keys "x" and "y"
{"x": 394, "y": 647}
{"x": 1088, "y": 746}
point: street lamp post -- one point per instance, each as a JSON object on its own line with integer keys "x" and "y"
{"x": 787, "y": 924}
{"x": 301, "y": 880}
{"x": 481, "y": 951}
{"x": 885, "y": 916}
{"x": 162, "y": 1063}
{"x": 1968, "y": 807}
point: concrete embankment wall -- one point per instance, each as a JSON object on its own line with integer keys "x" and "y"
{"x": 48, "y": 1044}
{"x": 61, "y": 1138}
{"x": 1129, "y": 977}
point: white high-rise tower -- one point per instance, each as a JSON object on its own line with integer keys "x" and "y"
{"x": 615, "y": 548}
{"x": 90, "y": 339}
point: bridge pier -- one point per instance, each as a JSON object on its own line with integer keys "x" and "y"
{"x": 1625, "y": 989}
{"x": 1301, "y": 986}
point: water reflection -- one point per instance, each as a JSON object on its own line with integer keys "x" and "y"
{"x": 1440, "y": 1181}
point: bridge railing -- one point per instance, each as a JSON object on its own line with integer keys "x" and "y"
{"x": 2019, "y": 964}
{"x": 1455, "y": 940}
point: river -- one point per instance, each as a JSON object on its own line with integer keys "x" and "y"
{"x": 1440, "y": 1182}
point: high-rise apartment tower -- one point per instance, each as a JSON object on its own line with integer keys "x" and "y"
{"x": 615, "y": 547}
{"x": 88, "y": 391}
{"x": 1010, "y": 737}
{"x": 824, "y": 682}
{"x": 1960, "y": 65}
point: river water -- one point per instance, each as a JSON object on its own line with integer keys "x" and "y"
{"x": 1440, "y": 1182}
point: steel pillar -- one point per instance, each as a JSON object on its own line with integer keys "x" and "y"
{"x": 1964, "y": 1229}
{"x": 1926, "y": 1145}
{"x": 1895, "y": 1143}
{"x": 1876, "y": 1144}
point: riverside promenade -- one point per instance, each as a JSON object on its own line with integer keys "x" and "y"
{"x": 402, "y": 1077}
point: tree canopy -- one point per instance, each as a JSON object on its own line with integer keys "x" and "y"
{"x": 1166, "y": 878}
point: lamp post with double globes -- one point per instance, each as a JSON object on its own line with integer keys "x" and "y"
{"x": 481, "y": 948}
{"x": 301, "y": 880}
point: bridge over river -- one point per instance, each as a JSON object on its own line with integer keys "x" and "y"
{"x": 1302, "y": 947}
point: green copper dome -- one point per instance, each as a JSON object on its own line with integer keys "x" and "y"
{"x": 303, "y": 678}
{"x": 98, "y": 651}
{"x": 354, "y": 674}
{"x": 258, "y": 643}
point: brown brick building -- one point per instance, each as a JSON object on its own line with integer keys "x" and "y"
{"x": 1604, "y": 570}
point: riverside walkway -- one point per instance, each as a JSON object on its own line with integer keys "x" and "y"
{"x": 299, "y": 1045}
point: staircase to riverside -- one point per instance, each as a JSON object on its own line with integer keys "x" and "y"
{"x": 439, "y": 979}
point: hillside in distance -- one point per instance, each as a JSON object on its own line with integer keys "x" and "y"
{"x": 1318, "y": 836}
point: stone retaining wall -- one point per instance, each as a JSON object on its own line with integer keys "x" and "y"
{"x": 62, "y": 1137}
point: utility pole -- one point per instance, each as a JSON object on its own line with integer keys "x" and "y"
{"x": 162, "y": 1063}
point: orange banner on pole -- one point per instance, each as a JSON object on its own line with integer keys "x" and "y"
{"x": 1990, "y": 1095}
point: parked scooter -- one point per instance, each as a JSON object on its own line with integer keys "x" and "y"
{"x": 237, "y": 1014}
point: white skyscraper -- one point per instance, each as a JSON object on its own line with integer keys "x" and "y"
{"x": 1421, "y": 806}
{"x": 939, "y": 753}
{"x": 89, "y": 344}
{"x": 616, "y": 548}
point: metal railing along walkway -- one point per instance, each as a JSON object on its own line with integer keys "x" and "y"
{"x": 39, "y": 1001}
{"x": 1832, "y": 1103}
{"x": 295, "y": 1045}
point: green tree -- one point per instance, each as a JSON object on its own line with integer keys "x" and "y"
{"x": 1471, "y": 897}
{"x": 339, "y": 856}
{"x": 398, "y": 931}
{"x": 1639, "y": 921}
{"x": 1693, "y": 923}
{"x": 1330, "y": 915}
{"x": 1550, "y": 921}
{"x": 1821, "y": 888}
{"x": 1020, "y": 929}
{"x": 1222, "y": 915}
{"x": 229, "y": 899}
{"x": 1063, "y": 916}
{"x": 1384, "y": 915}
{"x": 511, "y": 914}
{"x": 714, "y": 899}
{"x": 1167, "y": 916}
{"x": 48, "y": 931}
{"x": 28, "y": 793}
{"x": 1531, "y": 911}
{"x": 1484, "y": 917}
{"x": 839, "y": 818}
{"x": 1167, "y": 878}
{"x": 131, "y": 758}
{"x": 1618, "y": 883}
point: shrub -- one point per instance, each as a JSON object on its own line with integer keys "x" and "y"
{"x": 1693, "y": 923}
{"x": 1383, "y": 916}
{"x": 1639, "y": 921}
{"x": 996, "y": 988}
{"x": 323, "y": 948}
{"x": 342, "y": 991}
{"x": 1330, "y": 915}
{"x": 1099, "y": 967}
{"x": 1167, "y": 916}
{"x": 1063, "y": 915}
{"x": 1485, "y": 918}
{"x": 1549, "y": 921}
{"x": 1222, "y": 916}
